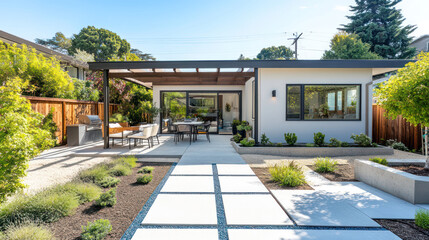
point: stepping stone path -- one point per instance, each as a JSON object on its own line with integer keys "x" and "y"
{"x": 213, "y": 194}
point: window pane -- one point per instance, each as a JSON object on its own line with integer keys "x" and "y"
{"x": 326, "y": 102}
{"x": 293, "y": 102}
{"x": 173, "y": 105}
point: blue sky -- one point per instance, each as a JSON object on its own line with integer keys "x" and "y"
{"x": 187, "y": 30}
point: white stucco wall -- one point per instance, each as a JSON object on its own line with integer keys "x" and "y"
{"x": 247, "y": 102}
{"x": 272, "y": 111}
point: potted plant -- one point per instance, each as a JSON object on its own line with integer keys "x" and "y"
{"x": 235, "y": 123}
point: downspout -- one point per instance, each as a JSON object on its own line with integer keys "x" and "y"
{"x": 368, "y": 105}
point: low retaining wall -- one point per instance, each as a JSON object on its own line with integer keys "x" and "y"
{"x": 411, "y": 188}
{"x": 313, "y": 151}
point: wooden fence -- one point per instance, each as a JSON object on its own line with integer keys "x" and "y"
{"x": 66, "y": 111}
{"x": 398, "y": 129}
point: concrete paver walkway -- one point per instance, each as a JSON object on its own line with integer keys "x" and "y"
{"x": 213, "y": 194}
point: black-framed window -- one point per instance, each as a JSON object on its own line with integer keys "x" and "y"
{"x": 323, "y": 102}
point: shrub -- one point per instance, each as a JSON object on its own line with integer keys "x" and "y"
{"x": 422, "y": 218}
{"x": 27, "y": 232}
{"x": 362, "y": 140}
{"x": 236, "y": 122}
{"x": 45, "y": 206}
{"x": 121, "y": 170}
{"x": 264, "y": 139}
{"x": 310, "y": 145}
{"x": 290, "y": 138}
{"x": 287, "y": 174}
{"x": 319, "y": 139}
{"x": 108, "y": 182}
{"x": 399, "y": 146}
{"x": 96, "y": 230}
{"x": 107, "y": 199}
{"x": 378, "y": 160}
{"x": 333, "y": 142}
{"x": 85, "y": 192}
{"x": 345, "y": 144}
{"x": 325, "y": 165}
{"x": 146, "y": 170}
{"x": 237, "y": 138}
{"x": 247, "y": 143}
{"x": 94, "y": 174}
{"x": 130, "y": 161}
{"x": 279, "y": 145}
{"x": 145, "y": 179}
{"x": 117, "y": 117}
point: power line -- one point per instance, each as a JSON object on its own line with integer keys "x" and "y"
{"x": 295, "y": 41}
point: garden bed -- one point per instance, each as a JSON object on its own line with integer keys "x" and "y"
{"x": 130, "y": 200}
{"x": 304, "y": 151}
{"x": 265, "y": 177}
{"x": 405, "y": 229}
{"x": 343, "y": 173}
{"x": 413, "y": 169}
{"x": 411, "y": 188}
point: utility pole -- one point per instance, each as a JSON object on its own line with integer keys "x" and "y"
{"x": 295, "y": 41}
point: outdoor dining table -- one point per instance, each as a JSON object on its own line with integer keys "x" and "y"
{"x": 193, "y": 124}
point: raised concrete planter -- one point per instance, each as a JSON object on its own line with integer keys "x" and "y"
{"x": 313, "y": 151}
{"x": 412, "y": 188}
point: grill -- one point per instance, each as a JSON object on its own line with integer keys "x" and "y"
{"x": 91, "y": 122}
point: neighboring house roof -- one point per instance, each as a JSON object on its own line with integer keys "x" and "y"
{"x": 420, "y": 38}
{"x": 11, "y": 39}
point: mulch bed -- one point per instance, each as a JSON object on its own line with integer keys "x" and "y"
{"x": 413, "y": 169}
{"x": 405, "y": 229}
{"x": 130, "y": 200}
{"x": 344, "y": 173}
{"x": 265, "y": 177}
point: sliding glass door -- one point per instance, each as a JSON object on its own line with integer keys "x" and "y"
{"x": 218, "y": 108}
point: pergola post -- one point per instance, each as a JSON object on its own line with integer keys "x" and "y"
{"x": 255, "y": 128}
{"x": 106, "y": 93}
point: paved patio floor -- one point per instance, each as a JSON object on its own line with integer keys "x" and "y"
{"x": 212, "y": 193}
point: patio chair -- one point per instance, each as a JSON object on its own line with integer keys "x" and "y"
{"x": 154, "y": 133}
{"x": 181, "y": 130}
{"x": 205, "y": 130}
{"x": 145, "y": 134}
{"x": 116, "y": 131}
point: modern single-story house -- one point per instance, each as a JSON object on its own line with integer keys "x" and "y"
{"x": 75, "y": 68}
{"x": 275, "y": 96}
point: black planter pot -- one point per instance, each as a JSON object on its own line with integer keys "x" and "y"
{"x": 234, "y": 129}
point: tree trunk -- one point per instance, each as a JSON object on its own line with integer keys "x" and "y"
{"x": 426, "y": 148}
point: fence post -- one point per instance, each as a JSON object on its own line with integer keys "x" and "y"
{"x": 63, "y": 112}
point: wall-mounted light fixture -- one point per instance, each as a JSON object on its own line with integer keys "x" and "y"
{"x": 273, "y": 93}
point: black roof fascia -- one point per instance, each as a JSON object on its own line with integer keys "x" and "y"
{"x": 251, "y": 64}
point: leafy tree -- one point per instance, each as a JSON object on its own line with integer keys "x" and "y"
{"x": 272, "y": 53}
{"x": 142, "y": 56}
{"x": 58, "y": 43}
{"x": 21, "y": 136}
{"x": 85, "y": 90}
{"x": 242, "y": 57}
{"x": 379, "y": 23}
{"x": 104, "y": 44}
{"x": 407, "y": 93}
{"x": 348, "y": 46}
{"x": 84, "y": 56}
{"x": 44, "y": 76}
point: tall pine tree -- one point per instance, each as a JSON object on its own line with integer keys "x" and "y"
{"x": 379, "y": 23}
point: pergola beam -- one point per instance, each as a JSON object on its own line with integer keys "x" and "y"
{"x": 179, "y": 74}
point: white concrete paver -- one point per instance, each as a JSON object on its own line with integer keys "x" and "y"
{"x": 241, "y": 184}
{"x": 182, "y": 209}
{"x": 310, "y": 208}
{"x": 274, "y": 234}
{"x": 177, "y": 234}
{"x": 206, "y": 169}
{"x": 253, "y": 209}
{"x": 371, "y": 201}
{"x": 234, "y": 169}
{"x": 189, "y": 184}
